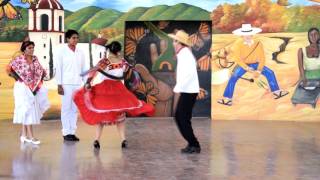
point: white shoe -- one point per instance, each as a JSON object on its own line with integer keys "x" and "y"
{"x": 33, "y": 141}
{"x": 23, "y": 139}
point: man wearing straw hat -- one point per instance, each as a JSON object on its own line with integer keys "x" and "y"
{"x": 248, "y": 53}
{"x": 187, "y": 85}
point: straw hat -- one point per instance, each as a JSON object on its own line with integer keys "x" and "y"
{"x": 182, "y": 37}
{"x": 246, "y": 30}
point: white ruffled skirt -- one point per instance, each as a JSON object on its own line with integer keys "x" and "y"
{"x": 29, "y": 108}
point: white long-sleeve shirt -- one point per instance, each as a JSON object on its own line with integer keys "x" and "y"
{"x": 69, "y": 65}
{"x": 187, "y": 75}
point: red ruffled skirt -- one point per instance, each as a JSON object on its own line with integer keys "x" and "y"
{"x": 108, "y": 102}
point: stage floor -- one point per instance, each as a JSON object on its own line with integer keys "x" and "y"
{"x": 230, "y": 150}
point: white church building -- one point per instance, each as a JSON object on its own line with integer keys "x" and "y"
{"x": 45, "y": 23}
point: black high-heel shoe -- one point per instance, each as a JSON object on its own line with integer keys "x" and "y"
{"x": 124, "y": 144}
{"x": 96, "y": 144}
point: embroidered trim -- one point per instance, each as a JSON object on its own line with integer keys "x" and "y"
{"x": 121, "y": 119}
{"x": 116, "y": 65}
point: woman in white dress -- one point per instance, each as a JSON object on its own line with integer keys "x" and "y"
{"x": 30, "y": 97}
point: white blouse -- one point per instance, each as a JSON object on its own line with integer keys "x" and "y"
{"x": 118, "y": 72}
{"x": 186, "y": 75}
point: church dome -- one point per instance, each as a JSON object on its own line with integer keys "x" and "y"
{"x": 49, "y": 4}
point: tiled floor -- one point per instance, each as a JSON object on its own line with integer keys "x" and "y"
{"x": 230, "y": 150}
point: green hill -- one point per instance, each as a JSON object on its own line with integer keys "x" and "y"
{"x": 67, "y": 13}
{"x": 80, "y": 17}
{"x": 101, "y": 20}
{"x": 172, "y": 12}
{"x": 133, "y": 14}
{"x": 194, "y": 13}
{"x": 153, "y": 12}
{"x": 180, "y": 11}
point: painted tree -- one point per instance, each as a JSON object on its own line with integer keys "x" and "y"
{"x": 276, "y": 20}
{"x": 257, "y": 12}
{"x": 260, "y": 13}
{"x": 90, "y": 52}
{"x": 216, "y": 16}
{"x": 302, "y": 18}
{"x": 231, "y": 17}
{"x": 110, "y": 33}
{"x": 283, "y": 3}
{"x": 51, "y": 73}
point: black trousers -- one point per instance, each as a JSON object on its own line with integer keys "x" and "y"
{"x": 183, "y": 117}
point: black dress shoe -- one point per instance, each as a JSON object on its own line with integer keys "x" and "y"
{"x": 191, "y": 150}
{"x": 68, "y": 137}
{"x": 96, "y": 144}
{"x": 124, "y": 144}
{"x": 75, "y": 138}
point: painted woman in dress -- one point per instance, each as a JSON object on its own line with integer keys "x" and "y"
{"x": 309, "y": 58}
{"x": 30, "y": 96}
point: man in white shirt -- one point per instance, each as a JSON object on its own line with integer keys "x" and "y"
{"x": 187, "y": 85}
{"x": 70, "y": 63}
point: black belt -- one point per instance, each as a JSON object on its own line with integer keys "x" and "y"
{"x": 110, "y": 76}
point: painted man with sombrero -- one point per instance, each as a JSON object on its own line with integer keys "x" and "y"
{"x": 248, "y": 53}
{"x": 187, "y": 86}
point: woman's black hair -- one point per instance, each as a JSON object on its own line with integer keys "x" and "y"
{"x": 313, "y": 29}
{"x": 71, "y": 32}
{"x": 114, "y": 47}
{"x": 25, "y": 44}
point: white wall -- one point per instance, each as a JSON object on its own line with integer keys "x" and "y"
{"x": 30, "y": 24}
{"x": 42, "y": 44}
{"x": 58, "y": 13}
{"x": 97, "y": 50}
{"x": 40, "y": 12}
{"x": 40, "y": 52}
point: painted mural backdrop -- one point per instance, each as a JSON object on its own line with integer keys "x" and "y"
{"x": 285, "y": 27}
{"x": 149, "y": 48}
{"x": 284, "y": 22}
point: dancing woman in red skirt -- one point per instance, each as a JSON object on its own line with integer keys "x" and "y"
{"x": 108, "y": 102}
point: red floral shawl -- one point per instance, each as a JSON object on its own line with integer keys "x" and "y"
{"x": 30, "y": 74}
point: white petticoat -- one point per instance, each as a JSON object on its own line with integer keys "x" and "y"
{"x": 29, "y": 109}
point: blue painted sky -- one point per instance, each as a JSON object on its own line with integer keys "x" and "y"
{"x": 125, "y": 5}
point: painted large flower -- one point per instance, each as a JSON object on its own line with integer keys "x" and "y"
{"x": 147, "y": 91}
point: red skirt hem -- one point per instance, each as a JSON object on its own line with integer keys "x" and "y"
{"x": 108, "y": 102}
